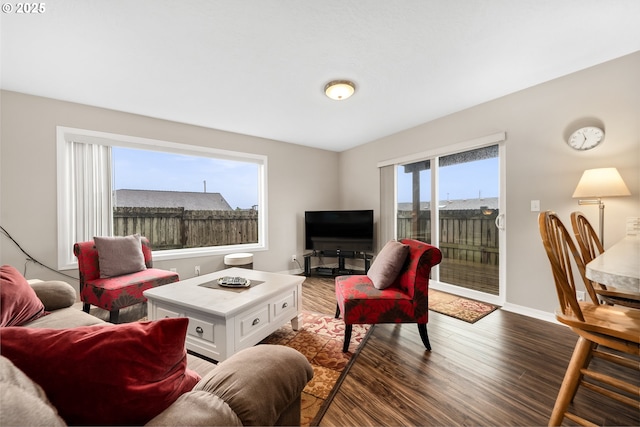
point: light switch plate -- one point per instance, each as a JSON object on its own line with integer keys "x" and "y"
{"x": 535, "y": 206}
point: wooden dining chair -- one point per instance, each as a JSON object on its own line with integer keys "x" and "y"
{"x": 600, "y": 329}
{"x": 590, "y": 248}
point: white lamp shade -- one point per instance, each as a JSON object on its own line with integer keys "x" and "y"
{"x": 603, "y": 182}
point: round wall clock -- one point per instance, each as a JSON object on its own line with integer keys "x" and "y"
{"x": 586, "y": 138}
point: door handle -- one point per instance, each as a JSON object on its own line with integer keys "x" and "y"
{"x": 199, "y": 329}
{"x": 500, "y": 221}
{"x": 255, "y": 321}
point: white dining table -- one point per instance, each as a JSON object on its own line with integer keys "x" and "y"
{"x": 618, "y": 266}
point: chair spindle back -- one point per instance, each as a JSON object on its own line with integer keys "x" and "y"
{"x": 561, "y": 250}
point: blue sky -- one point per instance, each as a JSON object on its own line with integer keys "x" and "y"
{"x": 459, "y": 181}
{"x": 155, "y": 170}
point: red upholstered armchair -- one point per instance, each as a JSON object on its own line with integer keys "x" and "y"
{"x": 405, "y": 301}
{"x": 114, "y": 293}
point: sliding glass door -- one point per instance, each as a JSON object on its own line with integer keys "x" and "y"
{"x": 453, "y": 202}
{"x": 467, "y": 211}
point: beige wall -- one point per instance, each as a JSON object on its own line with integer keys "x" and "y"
{"x": 539, "y": 164}
{"x": 299, "y": 179}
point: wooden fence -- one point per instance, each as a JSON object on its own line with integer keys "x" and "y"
{"x": 466, "y": 235}
{"x": 176, "y": 228}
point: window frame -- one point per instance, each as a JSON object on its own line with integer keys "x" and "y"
{"x": 65, "y": 199}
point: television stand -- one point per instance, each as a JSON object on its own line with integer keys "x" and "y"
{"x": 341, "y": 270}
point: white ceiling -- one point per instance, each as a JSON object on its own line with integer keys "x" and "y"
{"x": 259, "y": 67}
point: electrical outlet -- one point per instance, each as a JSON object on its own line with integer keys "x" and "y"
{"x": 173, "y": 269}
{"x": 197, "y": 270}
{"x": 294, "y": 258}
{"x": 580, "y": 295}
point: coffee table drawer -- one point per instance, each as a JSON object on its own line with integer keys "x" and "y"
{"x": 252, "y": 323}
{"x": 164, "y": 313}
{"x": 285, "y": 304}
{"x": 200, "y": 329}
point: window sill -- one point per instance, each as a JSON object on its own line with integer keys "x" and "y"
{"x": 172, "y": 254}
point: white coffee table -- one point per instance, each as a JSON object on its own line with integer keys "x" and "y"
{"x": 223, "y": 321}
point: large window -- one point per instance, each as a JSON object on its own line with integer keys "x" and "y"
{"x": 188, "y": 200}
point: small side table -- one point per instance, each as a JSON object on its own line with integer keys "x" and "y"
{"x": 240, "y": 260}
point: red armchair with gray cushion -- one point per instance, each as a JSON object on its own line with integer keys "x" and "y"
{"x": 394, "y": 290}
{"x": 115, "y": 271}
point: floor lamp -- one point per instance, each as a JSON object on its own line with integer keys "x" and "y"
{"x": 598, "y": 183}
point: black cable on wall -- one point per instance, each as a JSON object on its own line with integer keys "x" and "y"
{"x": 30, "y": 258}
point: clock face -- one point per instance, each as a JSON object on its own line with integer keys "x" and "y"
{"x": 586, "y": 138}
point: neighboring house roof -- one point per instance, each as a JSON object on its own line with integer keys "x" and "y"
{"x": 460, "y": 204}
{"x": 170, "y": 199}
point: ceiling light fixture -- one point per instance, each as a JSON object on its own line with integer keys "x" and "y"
{"x": 339, "y": 90}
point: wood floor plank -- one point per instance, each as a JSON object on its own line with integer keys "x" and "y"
{"x": 504, "y": 370}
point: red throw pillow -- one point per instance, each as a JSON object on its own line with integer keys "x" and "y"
{"x": 105, "y": 374}
{"x": 19, "y": 303}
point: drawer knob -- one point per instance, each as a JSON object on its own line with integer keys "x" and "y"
{"x": 285, "y": 305}
{"x": 255, "y": 321}
{"x": 199, "y": 329}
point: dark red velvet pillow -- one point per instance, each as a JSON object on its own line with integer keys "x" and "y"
{"x": 19, "y": 303}
{"x": 105, "y": 374}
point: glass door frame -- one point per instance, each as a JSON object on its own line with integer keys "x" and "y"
{"x": 435, "y": 233}
{"x": 433, "y": 155}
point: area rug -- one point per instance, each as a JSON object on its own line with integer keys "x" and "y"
{"x": 458, "y": 307}
{"x": 320, "y": 339}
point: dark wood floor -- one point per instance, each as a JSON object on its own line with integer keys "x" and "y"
{"x": 504, "y": 370}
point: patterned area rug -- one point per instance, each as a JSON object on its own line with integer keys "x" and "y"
{"x": 320, "y": 339}
{"x": 458, "y": 307}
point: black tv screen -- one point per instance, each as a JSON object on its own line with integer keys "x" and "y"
{"x": 339, "y": 230}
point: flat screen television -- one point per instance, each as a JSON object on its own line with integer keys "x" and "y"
{"x": 339, "y": 230}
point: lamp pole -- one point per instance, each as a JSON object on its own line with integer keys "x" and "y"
{"x": 598, "y": 202}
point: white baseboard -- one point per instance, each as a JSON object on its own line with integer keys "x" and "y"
{"x": 531, "y": 312}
